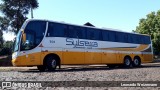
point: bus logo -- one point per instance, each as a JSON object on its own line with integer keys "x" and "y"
{"x": 6, "y": 85}
{"x": 80, "y": 43}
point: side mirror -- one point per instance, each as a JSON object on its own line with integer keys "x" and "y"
{"x": 24, "y": 37}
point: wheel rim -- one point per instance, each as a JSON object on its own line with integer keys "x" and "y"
{"x": 53, "y": 63}
{"x": 127, "y": 62}
{"x": 136, "y": 61}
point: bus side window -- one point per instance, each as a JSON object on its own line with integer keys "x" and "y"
{"x": 121, "y": 37}
{"x": 112, "y": 36}
{"x": 81, "y": 33}
{"x": 66, "y": 32}
{"x": 105, "y": 35}
{"x": 93, "y": 34}
{"x": 130, "y": 39}
{"x": 56, "y": 30}
{"x": 59, "y": 30}
{"x": 125, "y": 38}
{"x": 72, "y": 32}
{"x": 135, "y": 39}
{"x": 100, "y": 36}
{"x": 147, "y": 40}
{"x": 96, "y": 34}
{"x": 141, "y": 38}
{"x": 50, "y": 30}
{"x": 90, "y": 34}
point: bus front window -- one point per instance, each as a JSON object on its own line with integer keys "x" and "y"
{"x": 34, "y": 33}
{"x": 17, "y": 41}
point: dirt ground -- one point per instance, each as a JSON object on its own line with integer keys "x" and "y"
{"x": 147, "y": 72}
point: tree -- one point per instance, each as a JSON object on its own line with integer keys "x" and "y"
{"x": 7, "y": 48}
{"x": 1, "y": 39}
{"x": 15, "y": 12}
{"x": 151, "y": 26}
{"x": 1, "y": 35}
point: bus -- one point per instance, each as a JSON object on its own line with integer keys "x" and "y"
{"x": 50, "y": 44}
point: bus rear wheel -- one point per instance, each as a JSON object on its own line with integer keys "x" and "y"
{"x": 127, "y": 62}
{"x": 51, "y": 63}
{"x": 136, "y": 62}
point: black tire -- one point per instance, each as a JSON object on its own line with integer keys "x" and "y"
{"x": 41, "y": 68}
{"x": 127, "y": 62}
{"x": 51, "y": 63}
{"x": 136, "y": 62}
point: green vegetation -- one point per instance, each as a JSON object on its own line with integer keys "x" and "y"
{"x": 151, "y": 26}
{"x": 14, "y": 14}
{"x": 1, "y": 38}
{"x": 7, "y": 48}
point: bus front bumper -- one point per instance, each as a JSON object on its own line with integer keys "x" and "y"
{"x": 14, "y": 62}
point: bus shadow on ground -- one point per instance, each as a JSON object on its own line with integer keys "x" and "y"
{"x": 91, "y": 68}
{"x": 73, "y": 69}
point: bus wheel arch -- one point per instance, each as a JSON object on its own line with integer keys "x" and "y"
{"x": 136, "y": 61}
{"x": 52, "y": 56}
{"x": 127, "y": 61}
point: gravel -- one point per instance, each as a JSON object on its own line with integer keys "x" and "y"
{"x": 148, "y": 72}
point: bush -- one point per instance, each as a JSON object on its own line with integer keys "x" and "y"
{"x": 5, "y": 51}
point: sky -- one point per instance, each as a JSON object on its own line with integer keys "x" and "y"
{"x": 123, "y": 15}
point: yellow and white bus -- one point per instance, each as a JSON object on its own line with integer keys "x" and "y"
{"x": 48, "y": 44}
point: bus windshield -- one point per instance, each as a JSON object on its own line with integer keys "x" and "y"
{"x": 34, "y": 33}
{"x": 17, "y": 41}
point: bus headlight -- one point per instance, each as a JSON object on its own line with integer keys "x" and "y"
{"x": 14, "y": 55}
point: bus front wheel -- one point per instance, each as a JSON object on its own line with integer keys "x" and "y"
{"x": 51, "y": 63}
{"x": 127, "y": 62}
